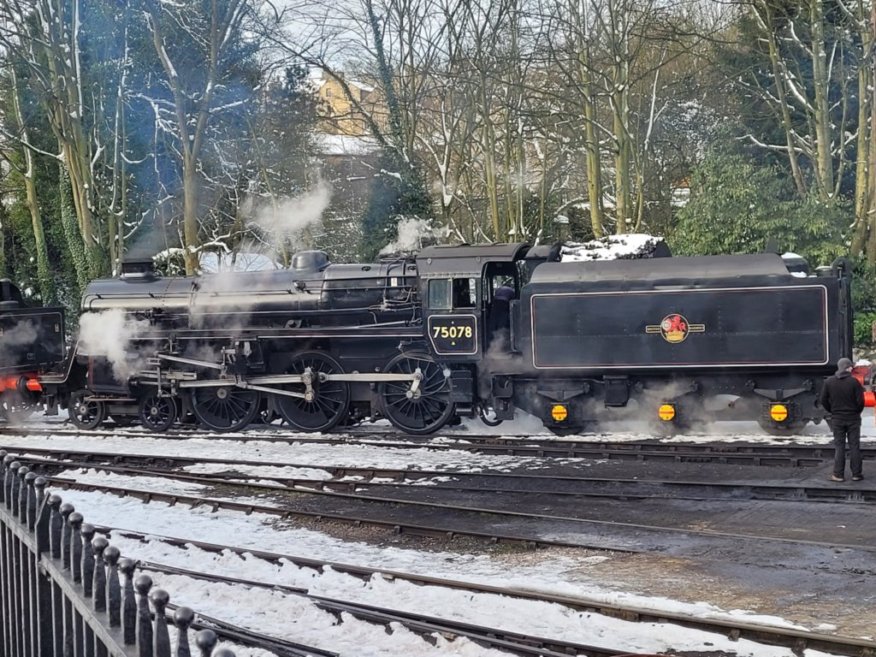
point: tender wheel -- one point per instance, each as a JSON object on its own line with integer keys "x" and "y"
{"x": 428, "y": 408}
{"x": 157, "y": 413}
{"x": 789, "y": 429}
{"x": 86, "y": 414}
{"x": 225, "y": 408}
{"x": 572, "y": 430}
{"x": 329, "y": 401}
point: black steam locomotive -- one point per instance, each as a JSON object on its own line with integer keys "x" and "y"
{"x": 31, "y": 342}
{"x": 460, "y": 331}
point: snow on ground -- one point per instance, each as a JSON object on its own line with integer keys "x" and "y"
{"x": 279, "y": 454}
{"x": 565, "y": 572}
{"x": 290, "y": 618}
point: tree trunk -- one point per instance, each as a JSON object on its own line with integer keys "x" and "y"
{"x": 623, "y": 199}
{"x": 787, "y": 124}
{"x": 44, "y": 278}
{"x": 863, "y": 190}
{"x": 871, "y": 210}
{"x": 71, "y": 228}
{"x": 594, "y": 160}
{"x": 190, "y": 217}
{"x": 823, "y": 131}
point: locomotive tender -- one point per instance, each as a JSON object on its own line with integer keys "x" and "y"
{"x": 459, "y": 331}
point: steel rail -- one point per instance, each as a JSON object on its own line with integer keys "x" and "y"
{"x": 765, "y": 455}
{"x": 793, "y": 492}
{"x": 794, "y": 638}
{"x": 243, "y": 636}
{"x": 491, "y": 637}
{"x": 432, "y": 531}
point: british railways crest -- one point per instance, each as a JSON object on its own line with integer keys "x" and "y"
{"x": 675, "y": 328}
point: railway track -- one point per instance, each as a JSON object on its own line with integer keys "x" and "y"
{"x": 797, "y": 639}
{"x": 436, "y": 519}
{"x": 423, "y": 625}
{"x": 777, "y": 637}
{"x": 353, "y": 479}
{"x": 794, "y": 455}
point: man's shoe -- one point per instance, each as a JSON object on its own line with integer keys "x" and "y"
{"x": 857, "y": 477}
{"x": 833, "y": 477}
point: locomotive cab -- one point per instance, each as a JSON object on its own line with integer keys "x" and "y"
{"x": 468, "y": 293}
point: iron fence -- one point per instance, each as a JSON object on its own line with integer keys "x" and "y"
{"x": 65, "y": 592}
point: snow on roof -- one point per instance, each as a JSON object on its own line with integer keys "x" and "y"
{"x": 612, "y": 247}
{"x": 345, "y": 144}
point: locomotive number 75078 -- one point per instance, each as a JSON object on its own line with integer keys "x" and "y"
{"x": 453, "y": 335}
{"x": 452, "y": 332}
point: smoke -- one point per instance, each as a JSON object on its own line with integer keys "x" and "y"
{"x": 413, "y": 234}
{"x": 16, "y": 341}
{"x": 287, "y": 218}
{"x": 17, "y": 336}
{"x": 108, "y": 334}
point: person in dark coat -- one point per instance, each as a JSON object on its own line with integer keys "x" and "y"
{"x": 843, "y": 398}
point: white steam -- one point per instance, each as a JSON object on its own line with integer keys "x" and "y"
{"x": 21, "y": 334}
{"x": 413, "y": 234}
{"x": 286, "y": 218}
{"x": 109, "y": 334}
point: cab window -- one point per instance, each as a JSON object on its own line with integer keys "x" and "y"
{"x": 439, "y": 294}
{"x": 465, "y": 294}
{"x": 446, "y": 293}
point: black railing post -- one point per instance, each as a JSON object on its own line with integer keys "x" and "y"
{"x": 30, "y": 510}
{"x": 129, "y": 603}
{"x": 183, "y": 618}
{"x": 75, "y": 521}
{"x": 4, "y": 455}
{"x": 100, "y": 544}
{"x": 41, "y": 520}
{"x": 144, "y": 618}
{"x": 66, "y": 510}
{"x": 55, "y": 524}
{"x": 206, "y": 640}
{"x": 113, "y": 590}
{"x": 161, "y": 644}
{"x": 23, "y": 471}
{"x": 8, "y": 460}
{"x": 12, "y": 480}
{"x": 87, "y": 533}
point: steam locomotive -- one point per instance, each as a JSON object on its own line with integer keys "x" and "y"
{"x": 31, "y": 341}
{"x": 463, "y": 331}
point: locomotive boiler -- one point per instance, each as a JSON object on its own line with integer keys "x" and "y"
{"x": 461, "y": 331}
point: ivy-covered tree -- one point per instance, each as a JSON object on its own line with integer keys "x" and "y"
{"x": 739, "y": 206}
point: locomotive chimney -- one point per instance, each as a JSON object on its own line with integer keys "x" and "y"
{"x": 138, "y": 268}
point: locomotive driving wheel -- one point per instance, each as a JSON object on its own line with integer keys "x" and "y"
{"x": 157, "y": 413}
{"x": 86, "y": 414}
{"x": 325, "y": 403}
{"x": 225, "y": 408}
{"x": 15, "y": 407}
{"x": 421, "y": 406}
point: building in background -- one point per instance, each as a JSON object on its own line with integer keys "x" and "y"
{"x": 343, "y": 113}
